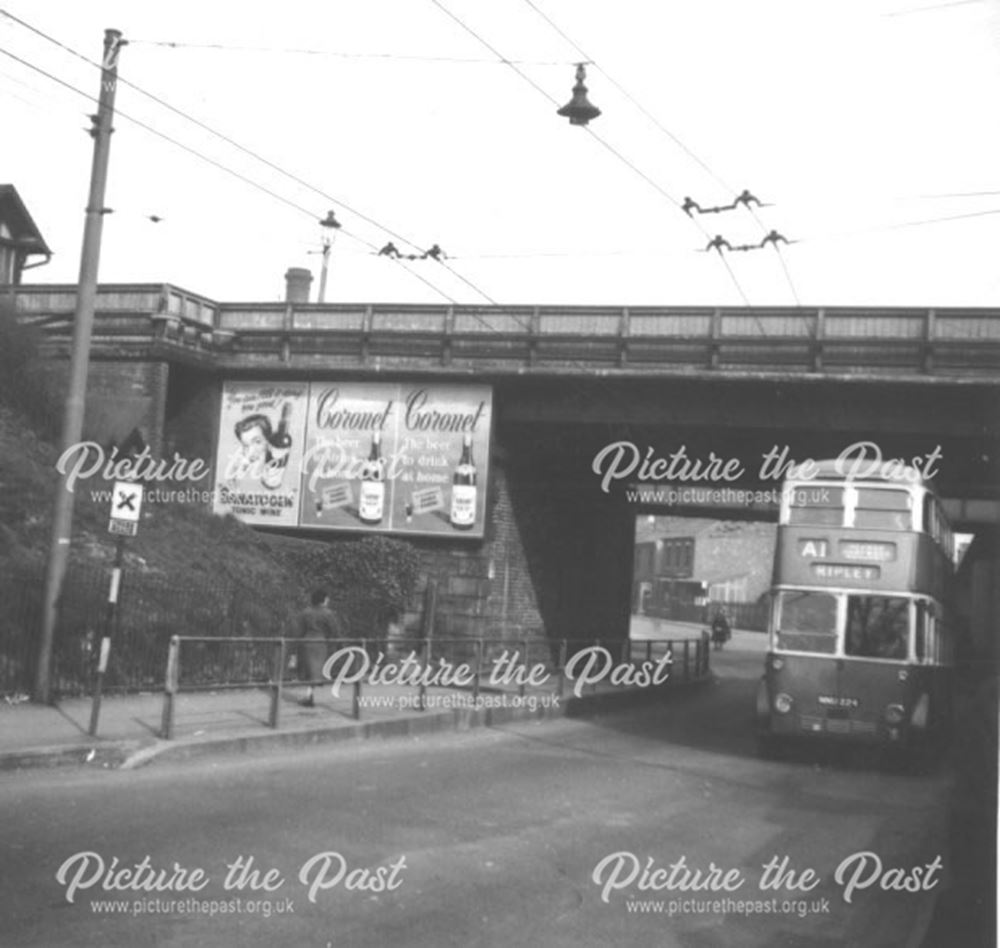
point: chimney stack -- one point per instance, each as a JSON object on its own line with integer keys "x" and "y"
{"x": 297, "y": 283}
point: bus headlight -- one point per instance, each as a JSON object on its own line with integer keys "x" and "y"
{"x": 903, "y": 674}
{"x": 777, "y": 663}
{"x": 782, "y": 703}
{"x": 894, "y": 714}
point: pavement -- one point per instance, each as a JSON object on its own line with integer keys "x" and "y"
{"x": 130, "y": 728}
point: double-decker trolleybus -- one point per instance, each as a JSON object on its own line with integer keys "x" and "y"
{"x": 860, "y": 646}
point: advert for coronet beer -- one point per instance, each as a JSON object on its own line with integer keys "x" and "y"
{"x": 499, "y": 474}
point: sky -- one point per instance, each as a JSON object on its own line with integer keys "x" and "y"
{"x": 868, "y": 127}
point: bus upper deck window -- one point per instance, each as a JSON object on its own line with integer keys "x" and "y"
{"x": 807, "y": 622}
{"x": 816, "y": 504}
{"x": 877, "y": 626}
{"x": 883, "y": 509}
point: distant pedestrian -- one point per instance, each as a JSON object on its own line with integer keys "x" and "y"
{"x": 720, "y": 629}
{"x": 315, "y": 626}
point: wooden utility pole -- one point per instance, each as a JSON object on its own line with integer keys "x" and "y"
{"x": 83, "y": 321}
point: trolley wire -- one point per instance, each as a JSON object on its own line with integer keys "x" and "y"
{"x": 217, "y": 164}
{"x": 901, "y": 225}
{"x": 248, "y": 151}
{"x": 666, "y": 131}
{"x": 305, "y": 51}
{"x": 649, "y": 115}
{"x": 603, "y": 142}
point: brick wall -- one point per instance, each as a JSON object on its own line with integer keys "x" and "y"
{"x": 120, "y": 396}
{"x": 192, "y": 414}
{"x": 483, "y": 589}
{"x": 555, "y": 562}
{"x": 731, "y": 550}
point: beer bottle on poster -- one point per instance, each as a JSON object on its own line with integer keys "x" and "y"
{"x": 280, "y": 447}
{"x": 371, "y": 504}
{"x": 463, "y": 489}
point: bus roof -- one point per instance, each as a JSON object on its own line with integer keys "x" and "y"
{"x": 886, "y": 472}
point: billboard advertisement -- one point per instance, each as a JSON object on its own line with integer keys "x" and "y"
{"x": 382, "y": 457}
{"x": 259, "y": 450}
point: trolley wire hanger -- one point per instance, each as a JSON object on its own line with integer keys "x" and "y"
{"x": 719, "y": 243}
{"x": 434, "y": 252}
{"x": 744, "y": 197}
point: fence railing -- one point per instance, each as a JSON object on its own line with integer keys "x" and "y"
{"x": 151, "y": 608}
{"x": 811, "y": 339}
{"x": 201, "y": 663}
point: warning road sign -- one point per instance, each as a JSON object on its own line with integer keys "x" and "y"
{"x": 126, "y": 505}
{"x": 126, "y": 501}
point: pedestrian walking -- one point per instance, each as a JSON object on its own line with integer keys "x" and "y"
{"x": 720, "y": 629}
{"x": 315, "y": 626}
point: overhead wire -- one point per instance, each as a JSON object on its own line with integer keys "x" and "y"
{"x": 959, "y": 194}
{"x": 645, "y": 177}
{"x": 299, "y": 207}
{"x": 901, "y": 225}
{"x": 44, "y": 100}
{"x": 628, "y": 95}
{"x": 217, "y": 164}
{"x": 304, "y": 51}
{"x": 607, "y": 145}
{"x": 248, "y": 151}
{"x": 666, "y": 131}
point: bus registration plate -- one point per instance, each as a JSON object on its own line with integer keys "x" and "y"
{"x": 838, "y": 701}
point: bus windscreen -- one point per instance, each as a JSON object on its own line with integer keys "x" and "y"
{"x": 877, "y": 626}
{"x": 807, "y": 622}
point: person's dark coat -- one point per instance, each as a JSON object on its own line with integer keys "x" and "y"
{"x": 318, "y": 624}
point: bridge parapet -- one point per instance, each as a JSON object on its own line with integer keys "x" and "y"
{"x": 638, "y": 340}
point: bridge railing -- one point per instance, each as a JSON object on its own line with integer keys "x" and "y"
{"x": 830, "y": 339}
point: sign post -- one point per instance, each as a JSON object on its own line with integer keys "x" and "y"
{"x": 126, "y": 506}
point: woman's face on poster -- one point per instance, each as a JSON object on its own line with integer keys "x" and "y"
{"x": 254, "y": 441}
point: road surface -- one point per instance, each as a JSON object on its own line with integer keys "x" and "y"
{"x": 564, "y": 833}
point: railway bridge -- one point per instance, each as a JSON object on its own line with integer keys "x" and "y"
{"x": 596, "y": 414}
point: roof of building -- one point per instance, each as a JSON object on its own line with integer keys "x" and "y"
{"x": 15, "y": 215}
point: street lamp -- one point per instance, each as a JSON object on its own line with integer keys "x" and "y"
{"x": 329, "y": 224}
{"x": 578, "y": 110}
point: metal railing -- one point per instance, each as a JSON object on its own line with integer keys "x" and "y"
{"x": 152, "y": 608}
{"x": 430, "y": 337}
{"x": 201, "y": 664}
